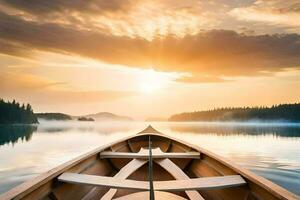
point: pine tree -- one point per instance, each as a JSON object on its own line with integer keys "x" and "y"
{"x": 13, "y": 112}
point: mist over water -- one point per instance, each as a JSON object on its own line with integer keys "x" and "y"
{"x": 271, "y": 150}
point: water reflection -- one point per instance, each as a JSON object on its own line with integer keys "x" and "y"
{"x": 14, "y": 134}
{"x": 282, "y": 131}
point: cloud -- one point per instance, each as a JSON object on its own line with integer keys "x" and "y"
{"x": 149, "y": 19}
{"x": 208, "y": 55}
{"x": 274, "y": 12}
{"x": 66, "y": 6}
{"x": 132, "y": 18}
{"x": 37, "y": 89}
{"x": 13, "y": 49}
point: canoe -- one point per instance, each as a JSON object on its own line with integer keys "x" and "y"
{"x": 149, "y": 165}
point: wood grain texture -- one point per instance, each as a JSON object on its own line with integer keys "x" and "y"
{"x": 126, "y": 171}
{"x": 177, "y": 173}
{"x": 173, "y": 185}
{"x": 145, "y": 195}
{"x": 145, "y": 155}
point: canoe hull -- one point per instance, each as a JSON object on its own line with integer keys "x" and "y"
{"x": 49, "y": 186}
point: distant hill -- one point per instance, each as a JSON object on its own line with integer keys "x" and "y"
{"x": 106, "y": 116}
{"x": 53, "y": 116}
{"x": 285, "y": 112}
{"x": 14, "y": 113}
{"x": 101, "y": 116}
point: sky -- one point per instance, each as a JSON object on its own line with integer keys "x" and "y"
{"x": 149, "y": 58}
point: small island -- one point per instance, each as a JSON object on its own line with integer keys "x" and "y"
{"x": 15, "y": 113}
{"x": 85, "y": 119}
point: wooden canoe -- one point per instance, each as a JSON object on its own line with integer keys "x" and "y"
{"x": 149, "y": 163}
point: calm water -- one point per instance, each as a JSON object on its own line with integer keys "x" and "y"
{"x": 270, "y": 150}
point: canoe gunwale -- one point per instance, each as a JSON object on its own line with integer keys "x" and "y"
{"x": 29, "y": 186}
{"x": 25, "y": 188}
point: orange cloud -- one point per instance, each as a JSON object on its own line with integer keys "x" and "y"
{"x": 207, "y": 56}
{"x": 273, "y": 12}
{"x": 67, "y": 6}
{"x": 133, "y": 18}
{"x": 13, "y": 49}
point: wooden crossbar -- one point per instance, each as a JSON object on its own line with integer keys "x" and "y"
{"x": 166, "y": 163}
{"x": 173, "y": 185}
{"x": 124, "y": 172}
{"x": 145, "y": 155}
{"x": 177, "y": 173}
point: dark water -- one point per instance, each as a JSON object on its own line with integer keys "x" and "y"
{"x": 270, "y": 150}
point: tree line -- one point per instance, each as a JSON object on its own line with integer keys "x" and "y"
{"x": 15, "y": 113}
{"x": 53, "y": 116}
{"x": 285, "y": 112}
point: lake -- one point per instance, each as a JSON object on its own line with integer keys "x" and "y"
{"x": 270, "y": 150}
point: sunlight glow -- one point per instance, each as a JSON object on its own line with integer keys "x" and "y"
{"x": 151, "y": 81}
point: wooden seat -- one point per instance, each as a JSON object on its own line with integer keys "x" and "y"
{"x": 177, "y": 173}
{"x": 145, "y": 195}
{"x": 166, "y": 163}
{"x": 126, "y": 171}
{"x": 145, "y": 155}
{"x": 118, "y": 181}
{"x": 218, "y": 182}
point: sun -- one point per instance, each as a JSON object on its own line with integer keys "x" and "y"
{"x": 149, "y": 87}
{"x": 151, "y": 81}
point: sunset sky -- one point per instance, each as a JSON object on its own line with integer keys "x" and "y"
{"x": 146, "y": 58}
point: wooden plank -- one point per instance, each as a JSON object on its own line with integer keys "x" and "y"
{"x": 173, "y": 185}
{"x": 126, "y": 171}
{"x": 200, "y": 183}
{"x": 145, "y": 195}
{"x": 144, "y": 155}
{"x": 71, "y": 191}
{"x": 201, "y": 168}
{"x": 103, "y": 181}
{"x": 177, "y": 173}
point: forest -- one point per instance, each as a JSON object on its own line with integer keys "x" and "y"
{"x": 53, "y": 116}
{"x": 15, "y": 113}
{"x": 282, "y": 112}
